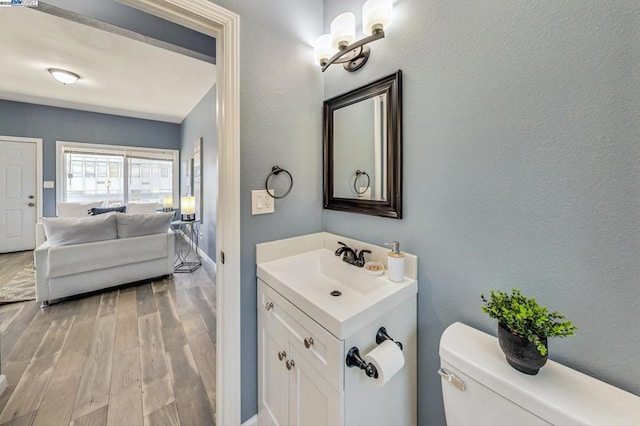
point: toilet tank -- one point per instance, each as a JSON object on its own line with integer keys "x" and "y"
{"x": 480, "y": 388}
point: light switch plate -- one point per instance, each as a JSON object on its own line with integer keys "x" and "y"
{"x": 49, "y": 184}
{"x": 261, "y": 202}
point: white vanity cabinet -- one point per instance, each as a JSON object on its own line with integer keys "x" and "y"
{"x": 313, "y": 309}
{"x": 302, "y": 376}
{"x": 299, "y": 368}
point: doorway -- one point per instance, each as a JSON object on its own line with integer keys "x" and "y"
{"x": 20, "y": 192}
{"x": 211, "y": 19}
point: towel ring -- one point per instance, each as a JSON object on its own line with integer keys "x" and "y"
{"x": 275, "y": 170}
{"x": 355, "y": 181}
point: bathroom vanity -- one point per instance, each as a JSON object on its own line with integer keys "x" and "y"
{"x": 312, "y": 309}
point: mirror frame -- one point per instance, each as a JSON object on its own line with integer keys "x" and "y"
{"x": 392, "y": 207}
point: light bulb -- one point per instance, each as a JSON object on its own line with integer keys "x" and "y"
{"x": 376, "y": 15}
{"x": 322, "y": 49}
{"x": 343, "y": 30}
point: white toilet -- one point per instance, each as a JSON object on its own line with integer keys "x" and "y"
{"x": 480, "y": 388}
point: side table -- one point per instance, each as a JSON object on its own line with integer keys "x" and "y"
{"x": 187, "y": 256}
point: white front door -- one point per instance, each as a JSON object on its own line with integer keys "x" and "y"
{"x": 18, "y": 210}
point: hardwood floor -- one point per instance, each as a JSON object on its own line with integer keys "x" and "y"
{"x": 12, "y": 263}
{"x": 139, "y": 355}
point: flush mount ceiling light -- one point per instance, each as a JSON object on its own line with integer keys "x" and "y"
{"x": 64, "y": 76}
{"x": 340, "y": 46}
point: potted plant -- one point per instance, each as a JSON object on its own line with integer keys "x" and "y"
{"x": 523, "y": 328}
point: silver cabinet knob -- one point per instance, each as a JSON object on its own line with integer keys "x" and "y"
{"x": 31, "y": 204}
{"x": 268, "y": 306}
{"x": 290, "y": 364}
{"x": 308, "y": 342}
{"x": 282, "y": 355}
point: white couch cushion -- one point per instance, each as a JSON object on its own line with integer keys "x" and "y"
{"x": 136, "y": 225}
{"x": 135, "y": 208}
{"x": 68, "y": 260}
{"x": 61, "y": 231}
{"x": 76, "y": 209}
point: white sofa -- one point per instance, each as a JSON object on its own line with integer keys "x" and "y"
{"x": 75, "y": 267}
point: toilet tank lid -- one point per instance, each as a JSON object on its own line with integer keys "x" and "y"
{"x": 557, "y": 394}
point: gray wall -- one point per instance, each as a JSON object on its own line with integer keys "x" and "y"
{"x": 129, "y": 18}
{"x": 201, "y": 123}
{"x": 521, "y": 161}
{"x": 61, "y": 124}
{"x": 280, "y": 123}
{"x": 522, "y": 169}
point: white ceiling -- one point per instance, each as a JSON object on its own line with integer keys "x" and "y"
{"x": 118, "y": 75}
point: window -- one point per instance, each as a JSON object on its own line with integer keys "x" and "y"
{"x": 77, "y": 166}
{"x": 116, "y": 174}
{"x": 102, "y": 169}
{"x": 90, "y": 169}
{"x": 145, "y": 171}
{"x": 114, "y": 169}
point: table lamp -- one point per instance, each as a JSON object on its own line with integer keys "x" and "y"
{"x": 188, "y": 208}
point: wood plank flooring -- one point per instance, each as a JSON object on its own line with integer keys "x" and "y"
{"x": 12, "y": 263}
{"x": 138, "y": 355}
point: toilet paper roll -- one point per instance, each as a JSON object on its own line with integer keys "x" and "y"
{"x": 388, "y": 359}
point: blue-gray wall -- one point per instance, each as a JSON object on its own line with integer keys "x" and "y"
{"x": 129, "y": 18}
{"x": 61, "y": 124}
{"x": 280, "y": 123}
{"x": 522, "y": 169}
{"x": 201, "y": 123}
{"x": 521, "y": 162}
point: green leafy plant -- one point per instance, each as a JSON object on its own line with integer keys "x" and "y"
{"x": 525, "y": 318}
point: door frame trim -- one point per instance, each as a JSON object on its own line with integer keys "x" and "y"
{"x": 214, "y": 20}
{"x": 38, "y": 142}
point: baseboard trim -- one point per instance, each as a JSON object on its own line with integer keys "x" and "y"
{"x": 206, "y": 259}
{"x": 253, "y": 421}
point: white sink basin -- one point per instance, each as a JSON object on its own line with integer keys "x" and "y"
{"x": 307, "y": 280}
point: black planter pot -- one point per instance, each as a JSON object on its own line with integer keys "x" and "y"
{"x": 521, "y": 353}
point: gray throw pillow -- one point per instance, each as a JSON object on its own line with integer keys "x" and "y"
{"x": 137, "y": 225}
{"x": 64, "y": 231}
{"x": 102, "y": 210}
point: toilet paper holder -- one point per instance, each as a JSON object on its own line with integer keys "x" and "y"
{"x": 382, "y": 335}
{"x": 354, "y": 359}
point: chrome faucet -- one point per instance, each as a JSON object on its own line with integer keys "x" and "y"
{"x": 351, "y": 256}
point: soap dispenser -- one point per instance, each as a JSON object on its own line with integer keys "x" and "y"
{"x": 395, "y": 262}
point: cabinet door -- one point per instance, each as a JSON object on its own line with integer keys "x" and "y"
{"x": 313, "y": 401}
{"x": 273, "y": 376}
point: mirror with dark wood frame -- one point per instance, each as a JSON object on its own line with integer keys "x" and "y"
{"x": 363, "y": 149}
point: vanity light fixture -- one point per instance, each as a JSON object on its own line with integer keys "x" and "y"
{"x": 63, "y": 76}
{"x": 341, "y": 47}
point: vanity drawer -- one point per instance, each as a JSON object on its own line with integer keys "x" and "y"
{"x": 319, "y": 347}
